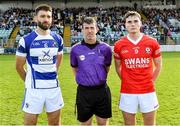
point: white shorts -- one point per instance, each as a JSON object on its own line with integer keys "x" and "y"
{"x": 132, "y": 103}
{"x": 37, "y": 99}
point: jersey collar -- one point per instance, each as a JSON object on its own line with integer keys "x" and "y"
{"x": 135, "y": 41}
{"x": 91, "y": 46}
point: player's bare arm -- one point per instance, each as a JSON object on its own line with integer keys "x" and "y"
{"x": 117, "y": 66}
{"x": 158, "y": 66}
{"x": 20, "y": 62}
{"x": 74, "y": 70}
{"x": 59, "y": 60}
{"x": 107, "y": 69}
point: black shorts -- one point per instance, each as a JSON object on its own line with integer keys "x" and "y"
{"x": 93, "y": 100}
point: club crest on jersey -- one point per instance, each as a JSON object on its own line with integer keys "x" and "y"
{"x": 45, "y": 45}
{"x": 136, "y": 50}
{"x": 148, "y": 50}
{"x": 82, "y": 57}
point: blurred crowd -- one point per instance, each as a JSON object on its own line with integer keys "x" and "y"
{"x": 156, "y": 22}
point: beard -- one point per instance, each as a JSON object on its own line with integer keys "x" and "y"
{"x": 42, "y": 26}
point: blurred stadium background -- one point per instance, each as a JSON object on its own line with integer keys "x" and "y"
{"x": 161, "y": 20}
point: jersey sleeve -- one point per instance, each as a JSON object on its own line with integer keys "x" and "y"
{"x": 108, "y": 56}
{"x": 60, "y": 45}
{"x": 21, "y": 49}
{"x": 117, "y": 51}
{"x": 73, "y": 59}
{"x": 156, "y": 49}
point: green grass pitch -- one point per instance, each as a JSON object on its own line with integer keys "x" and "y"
{"x": 12, "y": 90}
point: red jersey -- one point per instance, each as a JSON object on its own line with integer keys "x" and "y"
{"x": 137, "y": 64}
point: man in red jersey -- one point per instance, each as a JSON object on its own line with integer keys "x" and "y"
{"x": 134, "y": 56}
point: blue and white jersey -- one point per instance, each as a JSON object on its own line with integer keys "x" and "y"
{"x": 40, "y": 52}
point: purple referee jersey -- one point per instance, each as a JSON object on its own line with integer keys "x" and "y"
{"x": 91, "y": 62}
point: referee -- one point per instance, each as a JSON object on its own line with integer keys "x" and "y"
{"x": 90, "y": 60}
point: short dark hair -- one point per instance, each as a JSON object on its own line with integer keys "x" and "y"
{"x": 88, "y": 20}
{"x": 44, "y": 7}
{"x": 132, "y": 13}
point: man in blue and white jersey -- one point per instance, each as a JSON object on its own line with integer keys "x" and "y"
{"x": 42, "y": 51}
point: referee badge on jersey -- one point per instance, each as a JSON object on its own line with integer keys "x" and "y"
{"x": 148, "y": 50}
{"x": 82, "y": 57}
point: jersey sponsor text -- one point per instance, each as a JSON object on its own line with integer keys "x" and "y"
{"x": 137, "y": 62}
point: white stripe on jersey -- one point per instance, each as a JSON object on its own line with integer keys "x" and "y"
{"x": 29, "y": 80}
{"x": 45, "y": 83}
{"x": 21, "y": 54}
{"x": 43, "y": 68}
{"x": 21, "y": 42}
{"x": 38, "y": 51}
